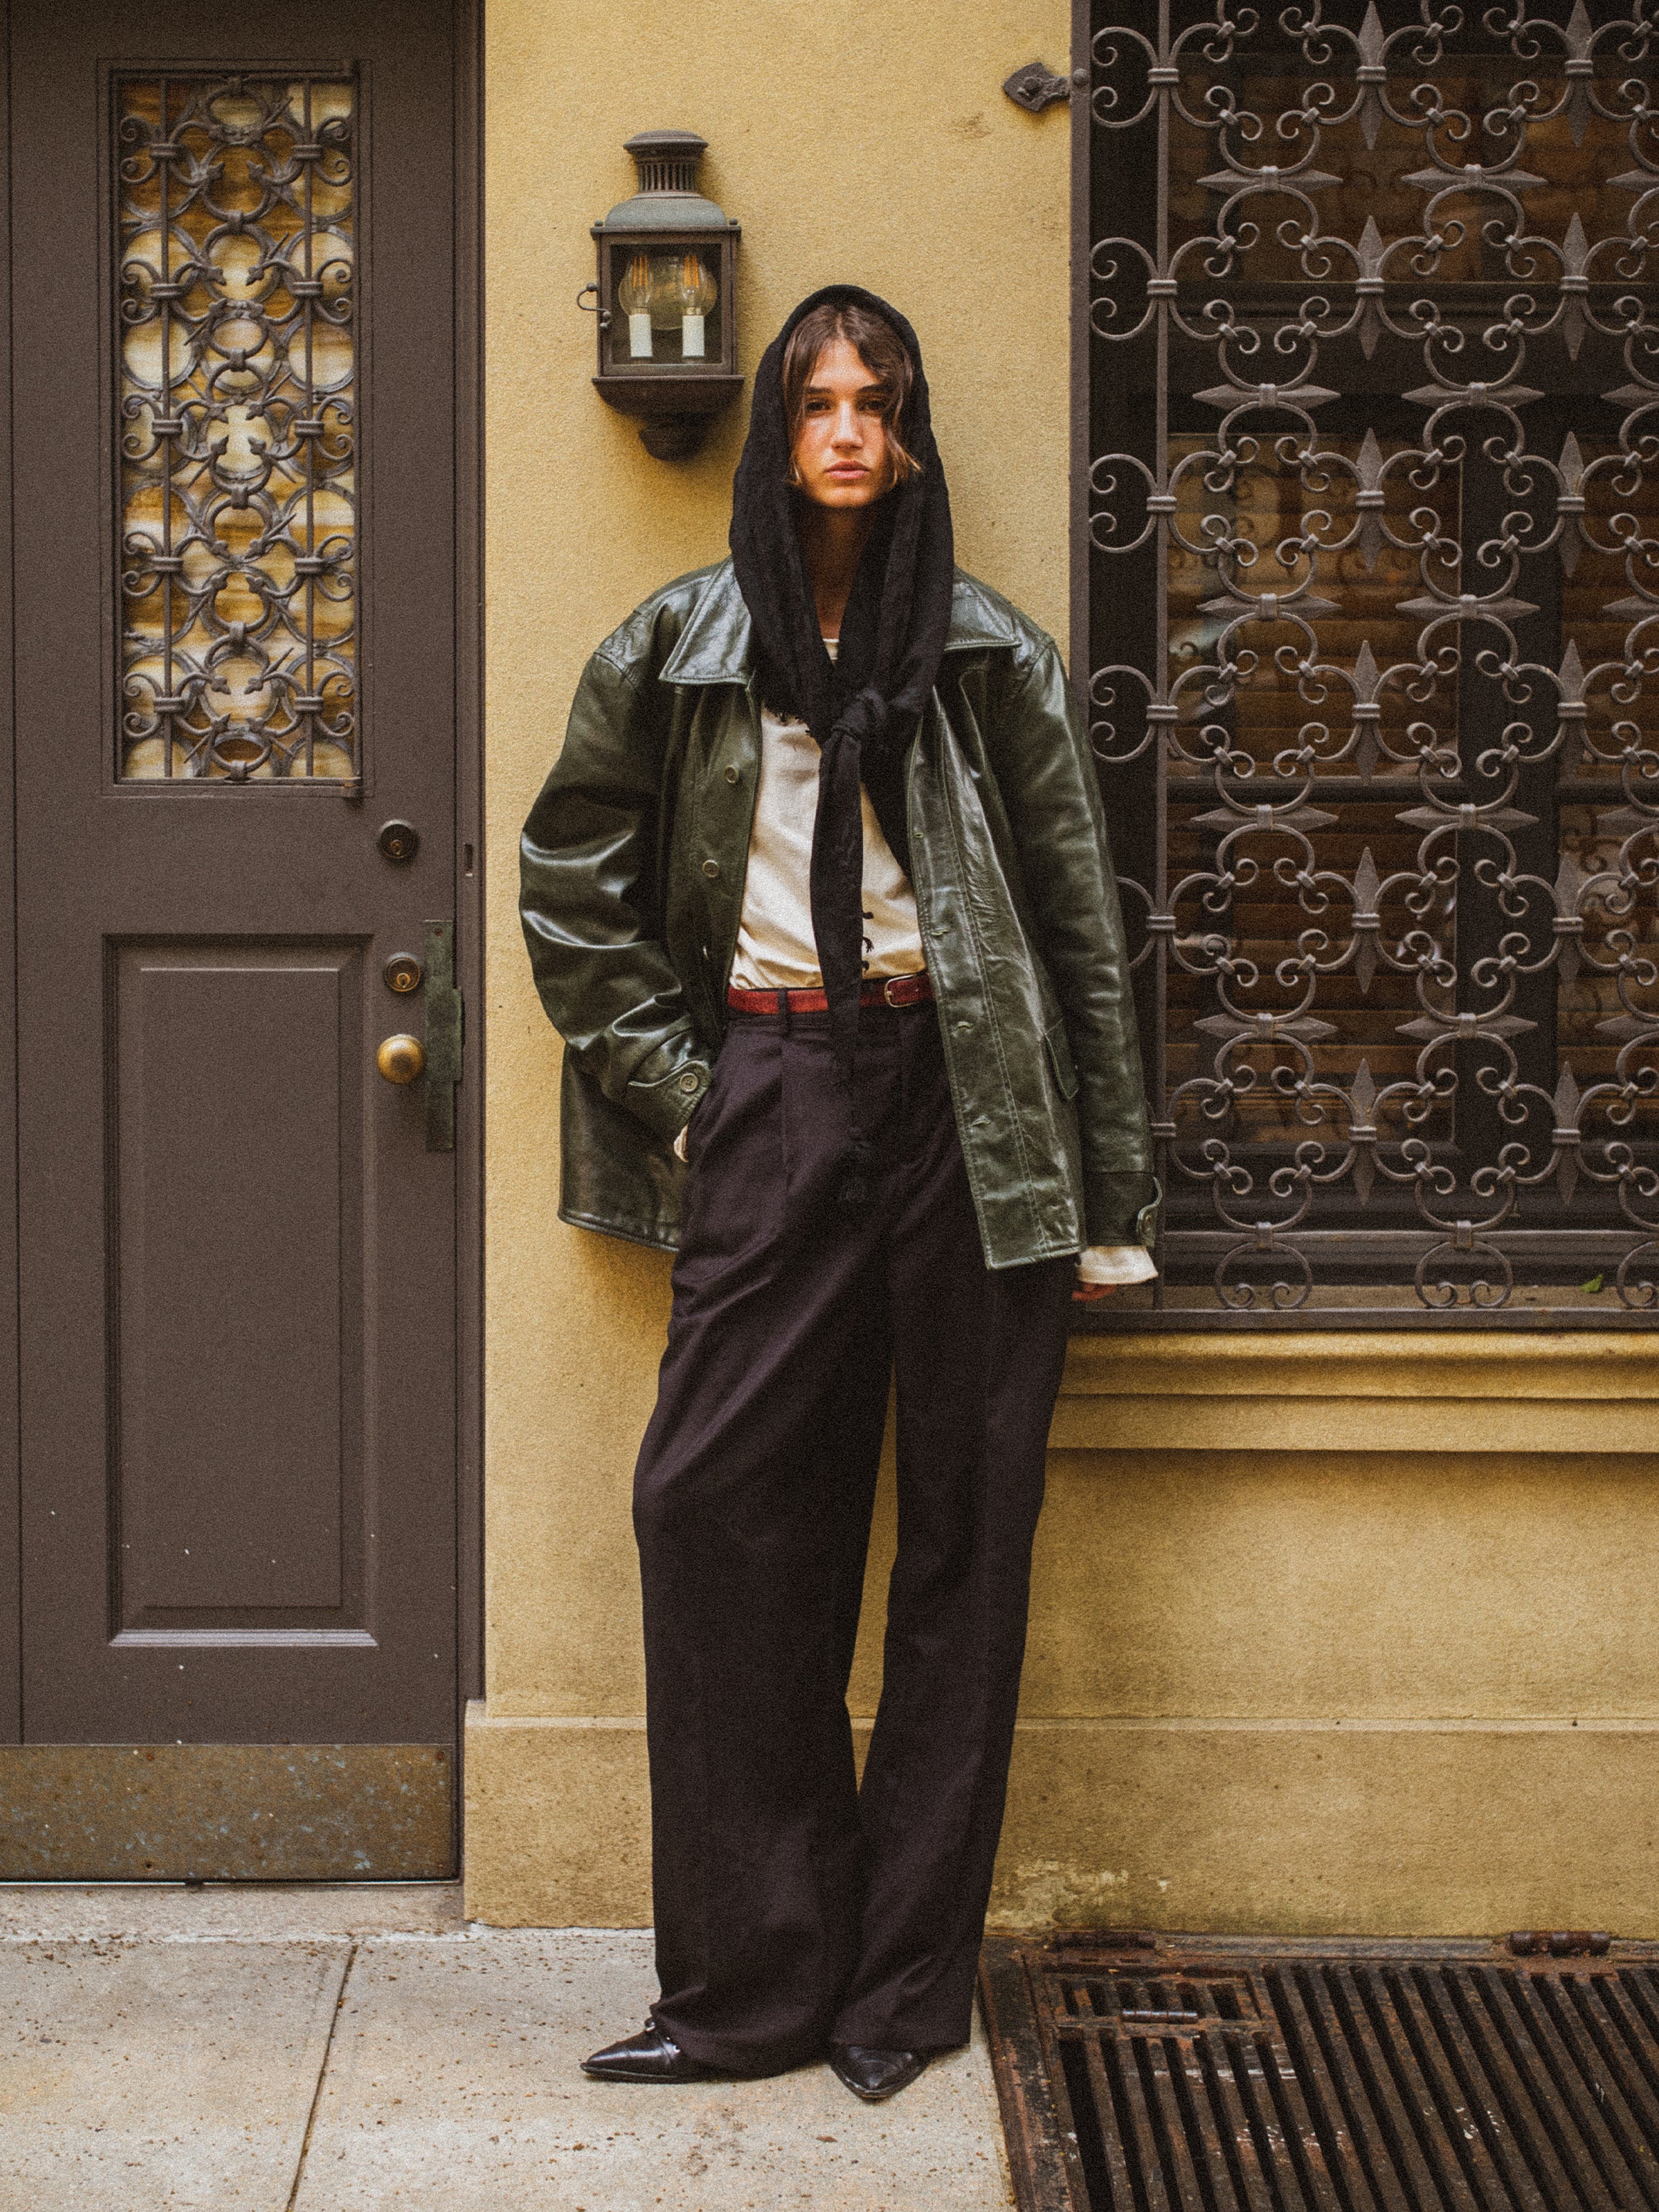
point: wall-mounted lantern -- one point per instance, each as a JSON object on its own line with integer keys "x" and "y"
{"x": 665, "y": 298}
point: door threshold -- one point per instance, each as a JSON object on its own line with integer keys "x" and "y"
{"x": 201, "y": 1812}
{"x": 60, "y": 1913}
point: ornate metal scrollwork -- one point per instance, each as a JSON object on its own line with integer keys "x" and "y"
{"x": 1373, "y": 529}
{"x": 238, "y": 540}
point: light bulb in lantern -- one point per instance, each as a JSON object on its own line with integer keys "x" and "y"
{"x": 633, "y": 298}
{"x": 698, "y": 293}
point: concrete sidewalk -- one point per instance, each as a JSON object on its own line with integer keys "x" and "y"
{"x": 343, "y": 2050}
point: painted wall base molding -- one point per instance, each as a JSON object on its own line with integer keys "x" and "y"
{"x": 1266, "y": 1827}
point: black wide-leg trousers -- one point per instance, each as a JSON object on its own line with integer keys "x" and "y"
{"x": 793, "y": 1907}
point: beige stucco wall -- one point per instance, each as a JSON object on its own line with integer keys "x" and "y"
{"x": 1328, "y": 1632}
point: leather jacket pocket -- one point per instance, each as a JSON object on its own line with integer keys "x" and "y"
{"x": 1059, "y": 1058}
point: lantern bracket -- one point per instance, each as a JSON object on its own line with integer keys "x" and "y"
{"x": 667, "y": 352}
{"x": 1034, "y": 87}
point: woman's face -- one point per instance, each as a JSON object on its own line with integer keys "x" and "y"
{"x": 841, "y": 456}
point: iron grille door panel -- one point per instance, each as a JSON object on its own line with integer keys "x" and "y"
{"x": 238, "y": 510}
{"x": 1369, "y": 602}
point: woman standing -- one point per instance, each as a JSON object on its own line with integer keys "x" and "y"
{"x": 819, "y": 895}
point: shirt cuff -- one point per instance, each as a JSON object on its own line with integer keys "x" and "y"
{"x": 679, "y": 1142}
{"x": 1115, "y": 1263}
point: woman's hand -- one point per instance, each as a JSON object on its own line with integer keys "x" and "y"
{"x": 1085, "y": 1294}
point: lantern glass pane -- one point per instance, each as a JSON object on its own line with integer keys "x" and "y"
{"x": 665, "y": 305}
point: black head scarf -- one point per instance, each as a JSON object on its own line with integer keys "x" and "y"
{"x": 864, "y": 706}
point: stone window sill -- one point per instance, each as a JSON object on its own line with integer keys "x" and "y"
{"x": 1375, "y": 1391}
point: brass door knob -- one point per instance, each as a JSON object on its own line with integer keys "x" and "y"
{"x": 401, "y": 1058}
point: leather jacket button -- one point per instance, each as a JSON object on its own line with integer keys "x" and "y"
{"x": 733, "y": 776}
{"x": 690, "y": 1080}
{"x": 711, "y": 868}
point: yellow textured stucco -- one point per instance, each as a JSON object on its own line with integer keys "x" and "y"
{"x": 1374, "y": 1586}
{"x": 1341, "y": 1830}
{"x": 1335, "y": 1632}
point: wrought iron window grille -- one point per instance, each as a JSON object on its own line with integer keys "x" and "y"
{"x": 1366, "y": 612}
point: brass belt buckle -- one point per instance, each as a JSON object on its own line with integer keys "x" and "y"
{"x": 892, "y": 986}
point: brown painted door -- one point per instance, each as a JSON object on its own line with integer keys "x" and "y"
{"x": 233, "y": 341}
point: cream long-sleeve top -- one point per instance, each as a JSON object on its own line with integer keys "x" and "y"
{"x": 776, "y": 948}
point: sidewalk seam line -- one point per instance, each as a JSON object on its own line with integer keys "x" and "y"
{"x": 322, "y": 2076}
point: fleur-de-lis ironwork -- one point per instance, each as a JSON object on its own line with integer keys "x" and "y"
{"x": 1374, "y": 641}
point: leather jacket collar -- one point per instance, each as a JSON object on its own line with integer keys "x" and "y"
{"x": 717, "y": 645}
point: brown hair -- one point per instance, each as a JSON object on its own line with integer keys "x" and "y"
{"x": 877, "y": 345}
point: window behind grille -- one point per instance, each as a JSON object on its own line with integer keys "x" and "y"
{"x": 1369, "y": 632}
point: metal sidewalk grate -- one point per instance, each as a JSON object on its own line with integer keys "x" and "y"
{"x": 1194, "y": 2075}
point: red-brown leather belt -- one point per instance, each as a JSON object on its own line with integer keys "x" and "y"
{"x": 887, "y": 991}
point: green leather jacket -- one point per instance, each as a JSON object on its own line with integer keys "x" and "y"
{"x": 632, "y": 874}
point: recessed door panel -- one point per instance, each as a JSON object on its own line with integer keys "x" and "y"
{"x": 238, "y": 1291}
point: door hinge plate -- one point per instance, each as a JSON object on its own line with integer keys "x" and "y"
{"x": 444, "y": 1017}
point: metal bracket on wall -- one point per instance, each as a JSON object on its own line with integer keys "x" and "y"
{"x": 443, "y": 1036}
{"x": 1034, "y": 86}
{"x": 1561, "y": 1944}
